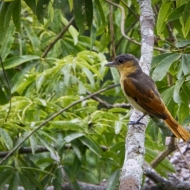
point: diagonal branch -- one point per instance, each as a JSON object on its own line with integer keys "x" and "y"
{"x": 109, "y": 106}
{"x": 53, "y": 116}
{"x": 164, "y": 183}
{"x": 60, "y": 35}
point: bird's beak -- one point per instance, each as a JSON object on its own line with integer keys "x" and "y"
{"x": 110, "y": 64}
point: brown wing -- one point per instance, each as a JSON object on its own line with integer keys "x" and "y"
{"x": 143, "y": 91}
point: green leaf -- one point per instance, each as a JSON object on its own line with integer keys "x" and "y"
{"x": 89, "y": 13}
{"x": 58, "y": 180}
{"x": 162, "y": 68}
{"x": 66, "y": 125}
{"x": 80, "y": 14}
{"x": 92, "y": 35}
{"x": 74, "y": 33}
{"x": 29, "y": 175}
{"x": 157, "y": 59}
{"x": 89, "y": 75}
{"x": 5, "y": 177}
{"x": 25, "y": 182}
{"x": 57, "y": 4}
{"x": 118, "y": 125}
{"x": 92, "y": 145}
{"x": 6, "y": 139}
{"x": 116, "y": 78}
{"x": 5, "y": 19}
{"x": 31, "y": 4}
{"x": 33, "y": 38}
{"x": 14, "y": 182}
{"x": 72, "y": 137}
{"x": 167, "y": 97}
{"x": 46, "y": 144}
{"x": 41, "y": 8}
{"x": 7, "y": 42}
{"x": 164, "y": 167}
{"x": 186, "y": 63}
{"x": 186, "y": 13}
{"x": 176, "y": 13}
{"x": 182, "y": 43}
{"x": 186, "y": 27}
{"x": 77, "y": 149}
{"x": 15, "y": 61}
{"x": 37, "y": 170}
{"x": 113, "y": 180}
{"x": 183, "y": 110}
{"x": 16, "y": 15}
{"x": 75, "y": 167}
{"x": 73, "y": 182}
{"x": 101, "y": 11}
{"x": 177, "y": 88}
{"x": 162, "y": 15}
{"x": 33, "y": 143}
{"x": 83, "y": 62}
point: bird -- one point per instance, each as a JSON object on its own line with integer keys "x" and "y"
{"x": 142, "y": 93}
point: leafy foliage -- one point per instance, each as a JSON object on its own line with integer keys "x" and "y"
{"x": 86, "y": 142}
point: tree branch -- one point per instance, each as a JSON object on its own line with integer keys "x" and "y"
{"x": 84, "y": 186}
{"x": 132, "y": 171}
{"x": 41, "y": 149}
{"x": 109, "y": 106}
{"x": 60, "y": 35}
{"x": 123, "y": 27}
{"x": 171, "y": 145}
{"x": 163, "y": 183}
{"x": 53, "y": 116}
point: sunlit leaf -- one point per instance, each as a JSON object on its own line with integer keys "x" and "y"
{"x": 162, "y": 68}
{"x": 177, "y": 87}
{"x": 15, "y": 61}
{"x": 6, "y": 139}
{"x": 162, "y": 15}
{"x": 186, "y": 13}
{"x": 92, "y": 145}
{"x": 113, "y": 180}
{"x": 176, "y": 13}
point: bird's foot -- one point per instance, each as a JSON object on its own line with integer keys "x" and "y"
{"x": 137, "y": 122}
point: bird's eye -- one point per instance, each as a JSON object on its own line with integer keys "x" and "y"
{"x": 120, "y": 60}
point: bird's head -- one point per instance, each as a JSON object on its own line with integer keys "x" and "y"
{"x": 125, "y": 63}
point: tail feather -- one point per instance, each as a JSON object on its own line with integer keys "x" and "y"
{"x": 177, "y": 129}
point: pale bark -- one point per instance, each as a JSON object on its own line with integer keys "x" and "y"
{"x": 132, "y": 172}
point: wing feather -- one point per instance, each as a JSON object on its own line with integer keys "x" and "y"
{"x": 144, "y": 92}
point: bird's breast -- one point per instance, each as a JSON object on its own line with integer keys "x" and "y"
{"x": 130, "y": 100}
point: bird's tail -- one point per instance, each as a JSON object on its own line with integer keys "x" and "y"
{"x": 177, "y": 129}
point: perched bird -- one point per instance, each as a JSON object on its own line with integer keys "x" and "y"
{"x": 143, "y": 94}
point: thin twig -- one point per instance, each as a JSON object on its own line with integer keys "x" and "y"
{"x": 109, "y": 106}
{"x": 60, "y": 35}
{"x": 53, "y": 116}
{"x": 9, "y": 89}
{"x": 171, "y": 144}
{"x": 183, "y": 157}
{"x": 41, "y": 149}
{"x": 137, "y": 16}
{"x": 112, "y": 32}
{"x": 164, "y": 183}
{"x": 123, "y": 27}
